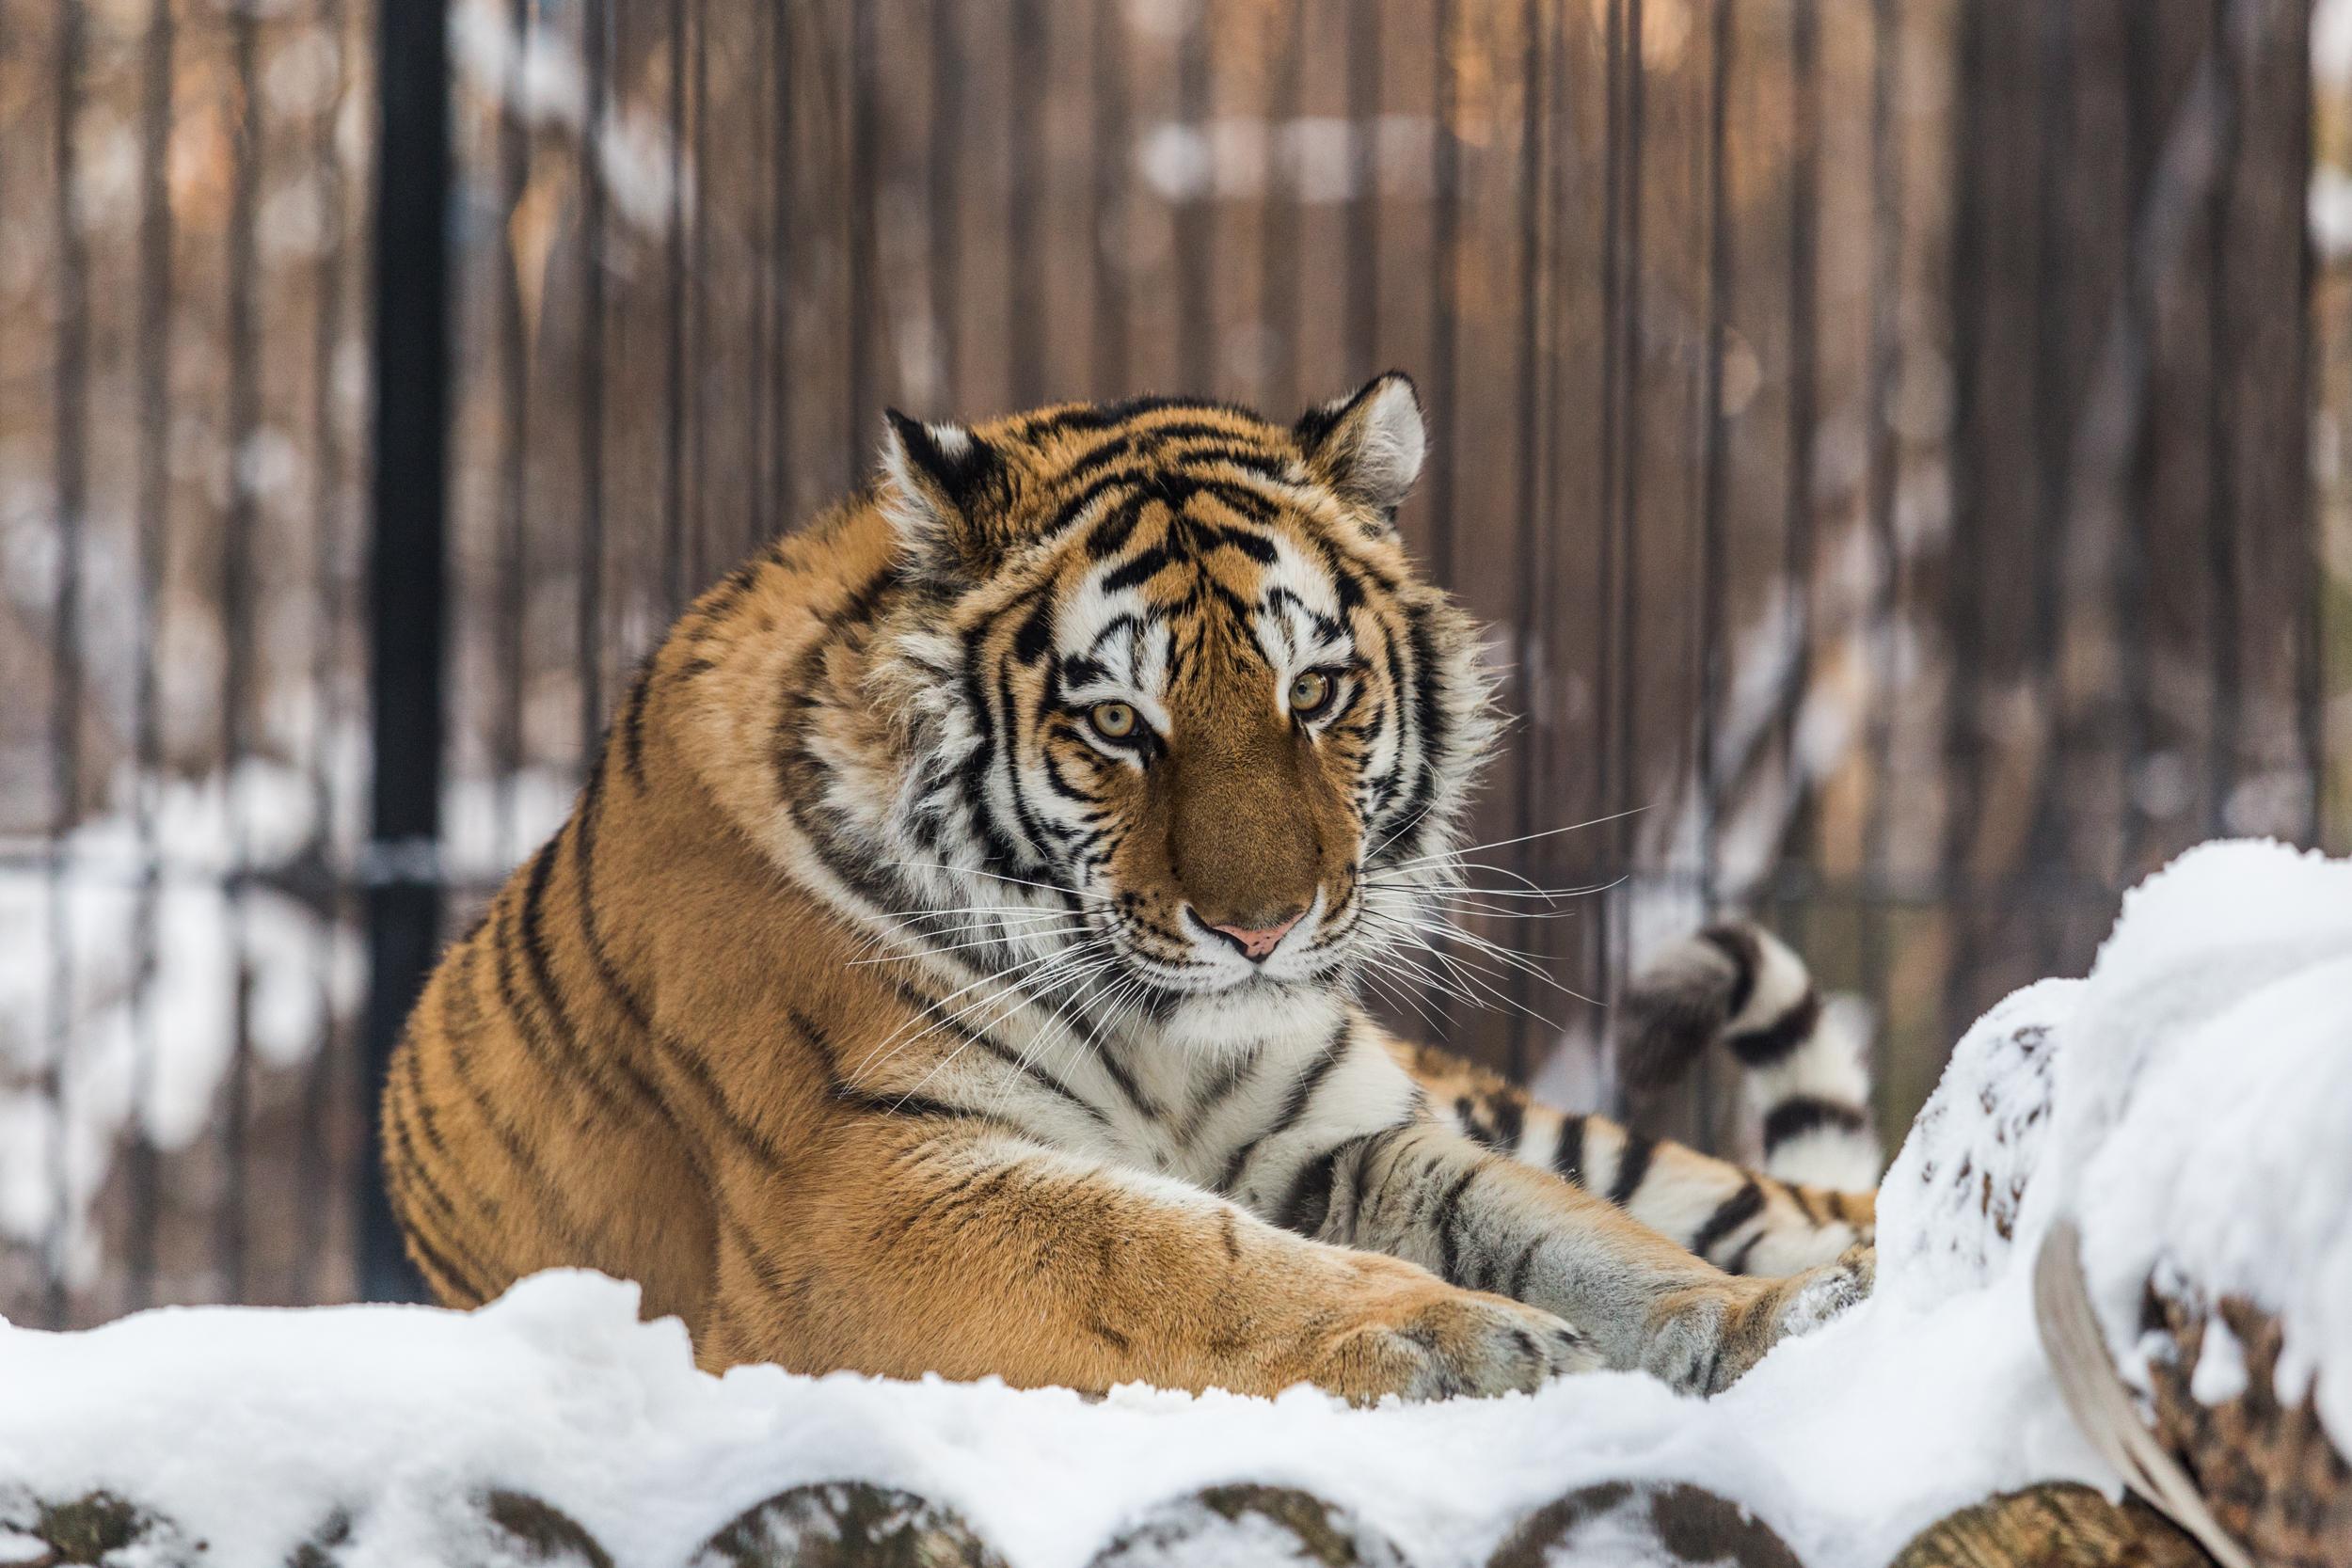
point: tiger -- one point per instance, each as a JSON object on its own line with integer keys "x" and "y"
{"x": 954, "y": 962}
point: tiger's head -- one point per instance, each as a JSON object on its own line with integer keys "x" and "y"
{"x": 1170, "y": 676}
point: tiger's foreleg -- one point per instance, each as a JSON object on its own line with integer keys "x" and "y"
{"x": 968, "y": 1251}
{"x": 1420, "y": 1190}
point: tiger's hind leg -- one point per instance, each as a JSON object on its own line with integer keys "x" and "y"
{"x": 1745, "y": 1222}
{"x": 1737, "y": 987}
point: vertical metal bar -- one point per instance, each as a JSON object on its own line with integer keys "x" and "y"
{"x": 72, "y": 390}
{"x": 674, "y": 343}
{"x": 780, "y": 266}
{"x": 2131, "y": 556}
{"x": 407, "y": 550}
{"x": 1446, "y": 222}
{"x": 1196, "y": 217}
{"x": 1527, "y": 481}
{"x": 1562, "y": 509}
{"x": 1279, "y": 305}
{"x": 1714, "y": 481}
{"x": 236, "y": 596}
{"x": 697, "y": 521}
{"x": 1879, "y": 489}
{"x": 328, "y": 613}
{"x": 759, "y": 430}
{"x": 595, "y": 60}
{"x": 2220, "y": 468}
{"x": 1628, "y": 503}
{"x": 1363, "y": 195}
{"x": 2041, "y": 876}
{"x": 1608, "y": 603}
{"x": 1805, "y": 183}
{"x": 1025, "y": 298}
{"x": 514, "y": 398}
{"x": 941, "y": 206}
{"x": 1109, "y": 272}
{"x": 1963, "y": 745}
{"x": 763, "y": 306}
{"x": 1715, "y": 468}
{"x": 154, "y": 500}
{"x": 2311, "y": 635}
{"x": 864, "y": 259}
{"x": 1445, "y": 214}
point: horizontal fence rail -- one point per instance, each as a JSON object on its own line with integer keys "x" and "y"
{"x": 1899, "y": 451}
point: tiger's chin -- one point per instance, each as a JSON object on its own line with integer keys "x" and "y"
{"x": 1254, "y": 1011}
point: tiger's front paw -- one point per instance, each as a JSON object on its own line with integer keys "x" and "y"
{"x": 1703, "y": 1339}
{"x": 1430, "y": 1340}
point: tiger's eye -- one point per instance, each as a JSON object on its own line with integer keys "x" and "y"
{"x": 1113, "y": 720}
{"x": 1309, "y": 691}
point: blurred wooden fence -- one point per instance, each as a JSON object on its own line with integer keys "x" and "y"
{"x": 1899, "y": 448}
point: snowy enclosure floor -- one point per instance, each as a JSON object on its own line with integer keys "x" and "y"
{"x": 2185, "y": 1105}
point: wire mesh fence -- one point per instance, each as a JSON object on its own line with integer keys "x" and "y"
{"x": 1897, "y": 449}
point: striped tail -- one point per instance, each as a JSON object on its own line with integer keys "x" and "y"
{"x": 1806, "y": 1079}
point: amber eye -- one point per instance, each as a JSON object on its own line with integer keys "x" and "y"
{"x": 1310, "y": 692}
{"x": 1112, "y": 721}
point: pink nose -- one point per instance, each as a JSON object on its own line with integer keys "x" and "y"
{"x": 1257, "y": 941}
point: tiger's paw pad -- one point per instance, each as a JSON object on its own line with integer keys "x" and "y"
{"x": 1820, "y": 1294}
{"x": 1454, "y": 1343}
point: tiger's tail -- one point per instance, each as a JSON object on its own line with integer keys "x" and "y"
{"x": 1807, "y": 1081}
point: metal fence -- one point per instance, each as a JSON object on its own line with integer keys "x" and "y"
{"x": 1899, "y": 449}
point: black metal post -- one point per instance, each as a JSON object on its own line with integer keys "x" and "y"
{"x": 406, "y": 569}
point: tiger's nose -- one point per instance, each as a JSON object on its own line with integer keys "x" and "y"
{"x": 1254, "y": 941}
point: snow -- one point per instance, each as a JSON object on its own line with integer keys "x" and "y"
{"x": 2203, "y": 1103}
{"x": 2185, "y": 1104}
{"x": 399, "y": 1414}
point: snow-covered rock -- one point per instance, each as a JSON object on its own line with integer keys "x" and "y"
{"x": 2187, "y": 1105}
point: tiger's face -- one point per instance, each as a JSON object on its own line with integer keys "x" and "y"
{"x": 1178, "y": 685}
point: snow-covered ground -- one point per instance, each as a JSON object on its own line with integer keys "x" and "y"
{"x": 2186, "y": 1104}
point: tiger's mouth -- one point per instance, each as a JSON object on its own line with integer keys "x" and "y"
{"x": 1315, "y": 954}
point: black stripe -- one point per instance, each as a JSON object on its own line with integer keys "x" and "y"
{"x": 1145, "y": 1105}
{"x": 1739, "y": 1263}
{"x": 901, "y": 1105}
{"x": 1568, "y": 1158}
{"x": 914, "y": 999}
{"x": 1735, "y": 1212}
{"x": 1294, "y": 1108}
{"x": 1110, "y": 535}
{"x": 1738, "y": 945}
{"x": 1145, "y": 566}
{"x": 1632, "y": 1165}
{"x": 633, "y": 726}
{"x": 1443, "y": 1218}
{"x": 1308, "y": 1202}
{"x": 1807, "y": 1112}
{"x": 1519, "y": 1271}
{"x": 455, "y": 1286}
{"x": 1510, "y": 1118}
{"x": 532, "y": 1177}
{"x": 1779, "y": 1039}
{"x": 420, "y": 1177}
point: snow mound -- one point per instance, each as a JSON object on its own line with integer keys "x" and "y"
{"x": 2204, "y": 1106}
{"x": 2186, "y": 1103}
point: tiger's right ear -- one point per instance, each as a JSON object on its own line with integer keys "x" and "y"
{"x": 1368, "y": 444}
{"x": 946, "y": 492}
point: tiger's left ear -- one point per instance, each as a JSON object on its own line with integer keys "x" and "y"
{"x": 1369, "y": 445}
{"x": 946, "y": 492}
